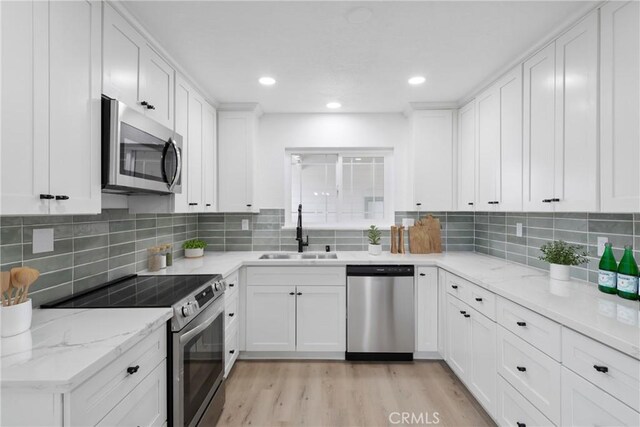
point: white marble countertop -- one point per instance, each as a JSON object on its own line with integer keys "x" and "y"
{"x": 575, "y": 304}
{"x": 65, "y": 347}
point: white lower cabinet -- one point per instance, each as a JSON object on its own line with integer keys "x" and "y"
{"x": 296, "y": 318}
{"x": 514, "y": 410}
{"x": 427, "y": 309}
{"x": 584, "y": 404}
{"x": 471, "y": 351}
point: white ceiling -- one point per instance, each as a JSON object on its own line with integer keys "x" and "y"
{"x": 317, "y": 55}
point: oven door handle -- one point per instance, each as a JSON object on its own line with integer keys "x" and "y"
{"x": 178, "y": 157}
{"x": 204, "y": 325}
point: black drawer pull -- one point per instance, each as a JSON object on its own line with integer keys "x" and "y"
{"x": 467, "y": 315}
{"x": 249, "y": 205}
{"x": 555, "y": 200}
{"x": 521, "y": 368}
{"x": 231, "y": 285}
{"x": 292, "y": 293}
{"x": 454, "y": 286}
{"x": 144, "y": 103}
{"x": 193, "y": 204}
{"x": 546, "y": 200}
{"x": 150, "y": 107}
{"x": 62, "y": 197}
{"x": 418, "y": 204}
{"x": 208, "y": 204}
{"x": 521, "y": 323}
{"x": 231, "y": 314}
{"x": 602, "y": 369}
{"x": 231, "y": 351}
{"x": 133, "y": 369}
{"x": 470, "y": 203}
{"x": 46, "y": 196}
{"x": 463, "y": 312}
{"x": 519, "y": 424}
{"x": 422, "y": 274}
{"x": 299, "y": 293}
{"x": 479, "y": 299}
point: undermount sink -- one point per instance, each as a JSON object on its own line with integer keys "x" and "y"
{"x": 299, "y": 256}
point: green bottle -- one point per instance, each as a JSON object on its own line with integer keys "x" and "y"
{"x": 628, "y": 275}
{"x": 608, "y": 271}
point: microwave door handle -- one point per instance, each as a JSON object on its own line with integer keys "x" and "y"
{"x": 173, "y": 182}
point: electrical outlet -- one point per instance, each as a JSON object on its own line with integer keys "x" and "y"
{"x": 519, "y": 229}
{"x": 601, "y": 242}
{"x": 42, "y": 240}
{"x": 408, "y": 222}
{"x": 245, "y": 224}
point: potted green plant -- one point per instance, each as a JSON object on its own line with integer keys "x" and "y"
{"x": 194, "y": 248}
{"x": 375, "y": 248}
{"x": 561, "y": 256}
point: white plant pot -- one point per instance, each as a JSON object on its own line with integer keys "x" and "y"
{"x": 559, "y": 272}
{"x": 193, "y": 253}
{"x": 16, "y": 319}
{"x": 375, "y": 249}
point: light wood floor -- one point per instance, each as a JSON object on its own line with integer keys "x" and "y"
{"x": 321, "y": 393}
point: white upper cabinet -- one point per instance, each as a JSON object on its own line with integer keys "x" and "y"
{"x": 194, "y": 163}
{"x": 539, "y": 129}
{"x": 51, "y": 156}
{"x": 432, "y": 157}
{"x": 133, "y": 72}
{"x": 560, "y": 122}
{"x": 236, "y": 139}
{"x": 576, "y": 151}
{"x": 467, "y": 157}
{"x": 488, "y": 176}
{"x": 209, "y": 150}
{"x": 620, "y": 107}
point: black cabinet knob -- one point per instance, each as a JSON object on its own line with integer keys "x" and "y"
{"x": 521, "y": 324}
{"x": 521, "y": 368}
{"x": 231, "y": 314}
{"x": 555, "y": 200}
{"x": 144, "y": 103}
{"x": 232, "y": 351}
{"x": 422, "y": 274}
{"x": 208, "y": 204}
{"x": 193, "y": 204}
{"x": 479, "y": 299}
{"x": 454, "y": 286}
{"x": 418, "y": 204}
{"x": 292, "y": 293}
{"x": 467, "y": 315}
{"x": 231, "y": 285}
{"x": 602, "y": 369}
{"x": 463, "y": 312}
{"x": 46, "y": 196}
{"x": 133, "y": 369}
{"x": 519, "y": 424}
{"x": 62, "y": 197}
{"x": 470, "y": 203}
{"x": 249, "y": 205}
{"x": 546, "y": 200}
{"x": 150, "y": 107}
{"x": 299, "y": 293}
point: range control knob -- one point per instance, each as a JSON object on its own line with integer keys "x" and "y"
{"x": 188, "y": 309}
{"x": 216, "y": 286}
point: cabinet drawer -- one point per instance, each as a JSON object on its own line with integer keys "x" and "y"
{"x": 231, "y": 349}
{"x": 515, "y": 410}
{"x": 482, "y": 300}
{"x": 458, "y": 287}
{"x": 231, "y": 306}
{"x": 537, "y": 330}
{"x": 534, "y": 374}
{"x": 146, "y": 405}
{"x": 92, "y": 400}
{"x": 622, "y": 377}
{"x": 584, "y": 404}
{"x": 297, "y": 276}
{"x": 233, "y": 283}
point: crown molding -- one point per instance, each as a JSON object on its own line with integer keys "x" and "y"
{"x": 425, "y": 106}
{"x": 253, "y": 107}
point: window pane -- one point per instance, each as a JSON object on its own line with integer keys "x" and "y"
{"x": 314, "y": 185}
{"x": 363, "y": 188}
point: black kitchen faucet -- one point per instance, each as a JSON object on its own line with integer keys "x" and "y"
{"x": 301, "y": 242}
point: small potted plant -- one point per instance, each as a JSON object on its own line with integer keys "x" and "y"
{"x": 375, "y": 248}
{"x": 561, "y": 256}
{"x": 194, "y": 248}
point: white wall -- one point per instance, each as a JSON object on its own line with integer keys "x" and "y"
{"x": 277, "y": 132}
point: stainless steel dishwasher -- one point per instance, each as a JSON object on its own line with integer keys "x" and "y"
{"x": 380, "y": 312}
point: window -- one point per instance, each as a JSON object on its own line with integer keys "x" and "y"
{"x": 340, "y": 188}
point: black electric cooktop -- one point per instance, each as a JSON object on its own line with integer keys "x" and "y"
{"x": 137, "y": 291}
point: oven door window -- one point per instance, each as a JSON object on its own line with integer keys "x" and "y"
{"x": 141, "y": 154}
{"x": 203, "y": 366}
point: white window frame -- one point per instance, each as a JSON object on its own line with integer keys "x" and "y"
{"x": 388, "y": 217}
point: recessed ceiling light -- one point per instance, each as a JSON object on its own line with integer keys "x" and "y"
{"x": 334, "y": 105}
{"x": 267, "y": 81}
{"x": 417, "y": 80}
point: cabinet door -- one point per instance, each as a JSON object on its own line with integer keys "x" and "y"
{"x": 271, "y": 318}
{"x": 427, "y": 309}
{"x": 321, "y": 318}
{"x": 467, "y": 157}
{"x": 235, "y": 150}
{"x": 209, "y": 149}
{"x": 510, "y": 180}
{"x": 620, "y": 106}
{"x": 539, "y": 129}
{"x": 181, "y": 117}
{"x": 123, "y": 55}
{"x": 196, "y": 115}
{"x": 157, "y": 87}
{"x": 482, "y": 361}
{"x": 576, "y": 154}
{"x": 584, "y": 404}
{"x": 433, "y": 160}
{"x": 74, "y": 115}
{"x": 457, "y": 337}
{"x": 25, "y": 131}
{"x": 488, "y": 177}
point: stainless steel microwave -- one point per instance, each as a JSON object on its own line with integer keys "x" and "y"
{"x": 138, "y": 154}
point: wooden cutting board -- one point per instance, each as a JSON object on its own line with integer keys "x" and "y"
{"x": 425, "y": 236}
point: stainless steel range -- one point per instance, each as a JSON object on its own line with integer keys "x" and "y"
{"x": 196, "y": 346}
